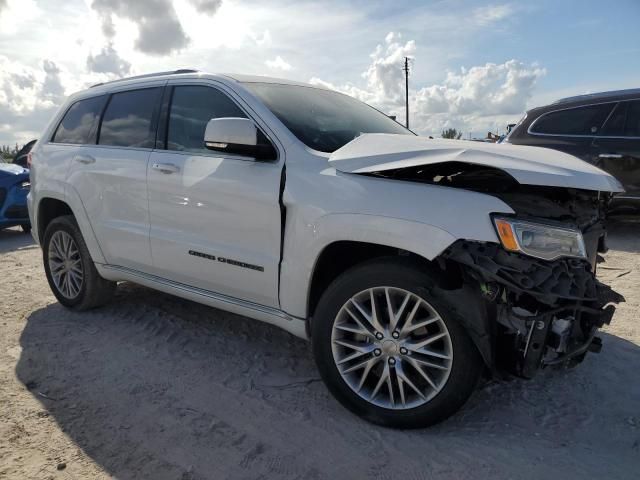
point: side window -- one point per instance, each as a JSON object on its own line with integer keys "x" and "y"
{"x": 191, "y": 108}
{"x": 79, "y": 124}
{"x": 574, "y": 121}
{"x": 632, "y": 126}
{"x": 130, "y": 119}
{"x": 615, "y": 124}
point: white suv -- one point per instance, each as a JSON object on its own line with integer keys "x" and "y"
{"x": 413, "y": 265}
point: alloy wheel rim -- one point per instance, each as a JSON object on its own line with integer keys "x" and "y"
{"x": 65, "y": 264}
{"x": 392, "y": 348}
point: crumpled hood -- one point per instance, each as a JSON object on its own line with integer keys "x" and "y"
{"x": 376, "y": 152}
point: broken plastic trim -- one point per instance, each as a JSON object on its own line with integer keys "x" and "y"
{"x": 547, "y": 281}
{"x": 550, "y": 290}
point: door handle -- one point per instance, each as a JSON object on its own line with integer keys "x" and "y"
{"x": 86, "y": 159}
{"x": 166, "y": 167}
{"x": 610, "y": 155}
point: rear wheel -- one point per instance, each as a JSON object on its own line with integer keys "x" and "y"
{"x": 71, "y": 273}
{"x": 388, "y": 348}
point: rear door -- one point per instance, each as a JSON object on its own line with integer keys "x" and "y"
{"x": 215, "y": 217}
{"x": 111, "y": 177}
{"x": 617, "y": 149}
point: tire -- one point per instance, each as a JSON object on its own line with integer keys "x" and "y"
{"x": 455, "y": 377}
{"x": 26, "y": 228}
{"x": 91, "y": 290}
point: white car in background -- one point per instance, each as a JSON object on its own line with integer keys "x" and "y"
{"x": 414, "y": 266}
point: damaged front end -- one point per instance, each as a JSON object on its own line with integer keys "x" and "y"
{"x": 546, "y": 312}
{"x": 527, "y": 302}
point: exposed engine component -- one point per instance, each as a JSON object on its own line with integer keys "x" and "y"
{"x": 547, "y": 312}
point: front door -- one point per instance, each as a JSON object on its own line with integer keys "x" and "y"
{"x": 617, "y": 151}
{"x": 215, "y": 218}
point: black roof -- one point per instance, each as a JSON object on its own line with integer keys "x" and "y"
{"x": 600, "y": 96}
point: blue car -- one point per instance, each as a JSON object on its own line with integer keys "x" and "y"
{"x": 14, "y": 187}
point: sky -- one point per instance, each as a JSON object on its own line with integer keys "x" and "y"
{"x": 475, "y": 66}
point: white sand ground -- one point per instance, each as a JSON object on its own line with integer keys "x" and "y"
{"x": 156, "y": 387}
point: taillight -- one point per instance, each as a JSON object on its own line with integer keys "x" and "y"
{"x": 29, "y": 159}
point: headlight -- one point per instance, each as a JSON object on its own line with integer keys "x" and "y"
{"x": 539, "y": 240}
{"x": 26, "y": 185}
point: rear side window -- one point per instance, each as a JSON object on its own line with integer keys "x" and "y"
{"x": 615, "y": 124}
{"x": 574, "y": 121}
{"x": 624, "y": 121}
{"x": 632, "y": 125}
{"x": 79, "y": 125}
{"x": 130, "y": 119}
{"x": 191, "y": 108}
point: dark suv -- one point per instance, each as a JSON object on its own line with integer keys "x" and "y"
{"x": 601, "y": 128}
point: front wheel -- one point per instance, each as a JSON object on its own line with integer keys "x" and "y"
{"x": 388, "y": 348}
{"x": 71, "y": 273}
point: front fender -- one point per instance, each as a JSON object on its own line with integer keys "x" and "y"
{"x": 298, "y": 266}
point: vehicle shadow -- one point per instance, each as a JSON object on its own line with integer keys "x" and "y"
{"x": 154, "y": 386}
{"x": 623, "y": 233}
{"x": 14, "y": 239}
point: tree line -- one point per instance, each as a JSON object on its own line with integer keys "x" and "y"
{"x": 7, "y": 152}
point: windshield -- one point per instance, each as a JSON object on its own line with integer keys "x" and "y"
{"x": 322, "y": 119}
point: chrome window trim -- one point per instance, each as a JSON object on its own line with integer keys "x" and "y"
{"x": 537, "y": 134}
{"x": 94, "y": 145}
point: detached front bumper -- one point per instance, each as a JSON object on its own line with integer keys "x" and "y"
{"x": 547, "y": 312}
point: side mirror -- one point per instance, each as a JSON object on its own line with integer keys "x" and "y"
{"x": 238, "y": 136}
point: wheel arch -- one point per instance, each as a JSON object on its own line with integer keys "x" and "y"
{"x": 342, "y": 255}
{"x": 51, "y": 206}
{"x": 451, "y": 283}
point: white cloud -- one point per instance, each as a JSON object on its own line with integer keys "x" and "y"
{"x": 384, "y": 76}
{"x": 159, "y": 30}
{"x": 28, "y": 98}
{"x": 278, "y": 63}
{"x": 491, "y": 14}
{"x": 108, "y": 61}
{"x": 490, "y": 89}
{"x": 478, "y": 99}
{"x": 15, "y": 13}
{"x": 331, "y": 41}
{"x": 208, "y": 7}
{"x": 264, "y": 40}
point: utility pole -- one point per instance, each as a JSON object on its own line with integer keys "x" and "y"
{"x": 406, "y": 89}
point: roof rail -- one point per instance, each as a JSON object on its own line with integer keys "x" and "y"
{"x": 146, "y": 75}
{"x": 599, "y": 95}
